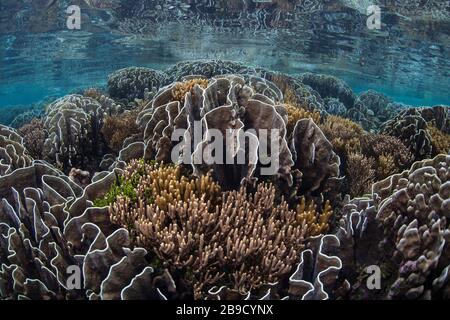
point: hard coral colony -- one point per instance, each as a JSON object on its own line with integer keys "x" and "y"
{"x": 95, "y": 184}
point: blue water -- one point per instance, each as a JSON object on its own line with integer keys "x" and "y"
{"x": 411, "y": 66}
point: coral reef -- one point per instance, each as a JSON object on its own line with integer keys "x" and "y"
{"x": 360, "y": 174}
{"x": 91, "y": 187}
{"x": 330, "y": 87}
{"x": 439, "y": 139}
{"x": 206, "y": 68}
{"x": 405, "y": 232}
{"x": 119, "y": 128}
{"x": 48, "y": 227}
{"x": 13, "y": 154}
{"x": 389, "y": 153}
{"x": 228, "y": 104}
{"x": 33, "y": 137}
{"x": 133, "y": 83}
{"x": 257, "y": 241}
{"x": 180, "y": 90}
{"x": 411, "y": 128}
{"x": 314, "y": 157}
{"x": 296, "y": 113}
{"x": 73, "y": 124}
{"x": 344, "y": 134}
{"x": 372, "y": 109}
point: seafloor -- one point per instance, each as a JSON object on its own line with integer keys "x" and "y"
{"x": 88, "y": 183}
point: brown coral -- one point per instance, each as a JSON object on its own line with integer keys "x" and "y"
{"x": 180, "y": 90}
{"x": 245, "y": 241}
{"x": 33, "y": 137}
{"x": 343, "y": 134}
{"x": 317, "y": 223}
{"x": 390, "y": 154}
{"x": 296, "y": 113}
{"x": 360, "y": 174}
{"x": 116, "y": 129}
{"x": 439, "y": 139}
{"x": 374, "y": 145}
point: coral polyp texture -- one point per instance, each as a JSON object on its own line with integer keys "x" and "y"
{"x": 215, "y": 180}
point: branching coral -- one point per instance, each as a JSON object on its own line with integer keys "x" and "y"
{"x": 317, "y": 222}
{"x": 440, "y": 140}
{"x": 344, "y": 134}
{"x": 49, "y": 229}
{"x": 374, "y": 145}
{"x": 360, "y": 174}
{"x": 156, "y": 184}
{"x": 180, "y": 89}
{"x": 244, "y": 240}
{"x": 297, "y": 113}
{"x": 117, "y": 129}
{"x": 390, "y": 154}
{"x": 257, "y": 242}
{"x": 33, "y": 137}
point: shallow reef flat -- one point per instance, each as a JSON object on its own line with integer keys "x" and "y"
{"x": 100, "y": 202}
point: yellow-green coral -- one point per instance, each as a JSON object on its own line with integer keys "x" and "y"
{"x": 440, "y": 140}
{"x": 180, "y": 89}
{"x": 244, "y": 240}
{"x": 117, "y": 128}
{"x": 385, "y": 166}
{"x": 317, "y": 222}
{"x": 344, "y": 134}
{"x": 296, "y": 113}
{"x": 360, "y": 174}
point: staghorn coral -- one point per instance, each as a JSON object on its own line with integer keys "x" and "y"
{"x": 296, "y": 113}
{"x": 156, "y": 184}
{"x": 178, "y": 219}
{"x": 360, "y": 174}
{"x": 117, "y": 129}
{"x": 48, "y": 224}
{"x": 317, "y": 222}
{"x": 13, "y": 154}
{"x": 133, "y": 83}
{"x": 33, "y": 137}
{"x": 180, "y": 90}
{"x": 439, "y": 139}
{"x": 73, "y": 124}
{"x": 256, "y": 243}
{"x": 344, "y": 134}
